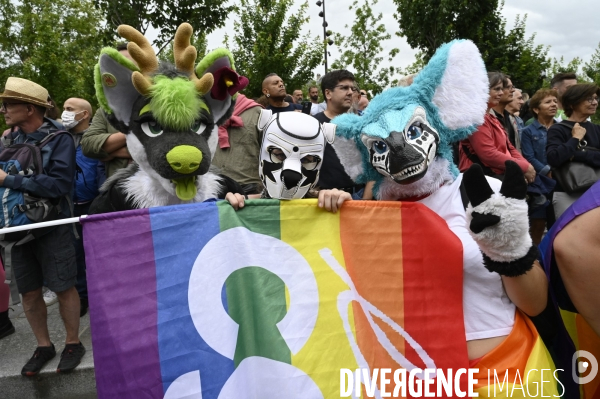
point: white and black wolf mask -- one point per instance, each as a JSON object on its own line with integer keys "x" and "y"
{"x": 292, "y": 152}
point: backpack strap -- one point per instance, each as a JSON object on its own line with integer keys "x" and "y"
{"x": 475, "y": 159}
{"x": 41, "y": 144}
{"x": 49, "y": 137}
{"x": 72, "y": 214}
{"x": 565, "y": 124}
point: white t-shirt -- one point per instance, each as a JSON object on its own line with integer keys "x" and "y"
{"x": 488, "y": 311}
{"x": 316, "y": 108}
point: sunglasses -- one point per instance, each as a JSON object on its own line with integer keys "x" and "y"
{"x": 4, "y": 107}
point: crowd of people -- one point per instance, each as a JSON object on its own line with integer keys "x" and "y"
{"x": 557, "y": 129}
{"x": 540, "y": 134}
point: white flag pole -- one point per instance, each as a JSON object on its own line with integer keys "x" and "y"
{"x": 33, "y": 226}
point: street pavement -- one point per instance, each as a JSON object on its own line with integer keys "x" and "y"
{"x": 17, "y": 348}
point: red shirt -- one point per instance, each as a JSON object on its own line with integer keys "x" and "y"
{"x": 491, "y": 145}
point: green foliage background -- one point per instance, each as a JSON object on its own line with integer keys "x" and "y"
{"x": 165, "y": 16}
{"x": 53, "y": 43}
{"x": 362, "y": 49}
{"x": 267, "y": 40}
{"x": 56, "y": 43}
{"x": 427, "y": 24}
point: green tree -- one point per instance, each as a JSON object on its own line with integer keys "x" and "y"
{"x": 53, "y": 43}
{"x": 557, "y": 65}
{"x": 199, "y": 42}
{"x": 362, "y": 49}
{"x": 517, "y": 56}
{"x": 267, "y": 40}
{"x": 592, "y": 67}
{"x": 592, "y": 71}
{"x": 427, "y": 24}
{"x": 416, "y": 66}
{"x": 165, "y": 16}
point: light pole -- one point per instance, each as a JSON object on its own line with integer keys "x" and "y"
{"x": 326, "y": 33}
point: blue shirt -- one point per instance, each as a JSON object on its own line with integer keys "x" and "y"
{"x": 533, "y": 146}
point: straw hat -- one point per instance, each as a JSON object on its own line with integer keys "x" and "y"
{"x": 26, "y": 91}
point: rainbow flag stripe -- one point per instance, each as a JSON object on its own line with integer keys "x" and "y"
{"x": 201, "y": 300}
{"x": 520, "y": 367}
{"x": 583, "y": 338}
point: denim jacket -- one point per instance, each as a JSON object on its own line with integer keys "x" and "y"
{"x": 533, "y": 146}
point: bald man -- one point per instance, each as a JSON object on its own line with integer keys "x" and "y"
{"x": 76, "y": 119}
{"x": 362, "y": 103}
{"x": 274, "y": 89}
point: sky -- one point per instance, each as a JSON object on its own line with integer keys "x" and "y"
{"x": 570, "y": 32}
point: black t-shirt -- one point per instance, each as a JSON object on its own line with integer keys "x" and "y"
{"x": 290, "y": 107}
{"x": 332, "y": 174}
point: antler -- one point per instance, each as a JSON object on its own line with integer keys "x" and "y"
{"x": 185, "y": 56}
{"x": 141, "y": 51}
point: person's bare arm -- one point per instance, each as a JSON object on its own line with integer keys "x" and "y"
{"x": 368, "y": 193}
{"x": 494, "y": 218}
{"x": 529, "y": 292}
{"x": 122, "y": 152}
{"x": 115, "y": 142}
{"x": 577, "y": 251}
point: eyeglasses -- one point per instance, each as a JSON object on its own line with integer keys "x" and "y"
{"x": 346, "y": 88}
{"x": 592, "y": 99}
{"x": 5, "y": 105}
{"x": 362, "y": 93}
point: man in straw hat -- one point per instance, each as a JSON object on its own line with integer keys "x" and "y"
{"x": 50, "y": 257}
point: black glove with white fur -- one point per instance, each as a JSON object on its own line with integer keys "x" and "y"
{"x": 498, "y": 222}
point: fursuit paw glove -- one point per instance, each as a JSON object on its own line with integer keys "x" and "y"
{"x": 498, "y": 222}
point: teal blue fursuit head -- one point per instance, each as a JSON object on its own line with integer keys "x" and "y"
{"x": 404, "y": 138}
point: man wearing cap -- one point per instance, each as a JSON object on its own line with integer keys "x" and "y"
{"x": 50, "y": 257}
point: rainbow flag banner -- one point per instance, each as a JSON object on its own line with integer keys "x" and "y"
{"x": 520, "y": 367}
{"x": 272, "y": 301}
{"x": 584, "y": 339}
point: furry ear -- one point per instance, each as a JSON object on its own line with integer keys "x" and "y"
{"x": 226, "y": 84}
{"x": 265, "y": 117}
{"x": 349, "y": 148}
{"x": 329, "y": 132}
{"x": 114, "y": 87}
{"x": 221, "y": 96}
{"x": 463, "y": 92}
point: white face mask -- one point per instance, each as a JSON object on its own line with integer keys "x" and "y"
{"x": 68, "y": 119}
{"x": 292, "y": 151}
